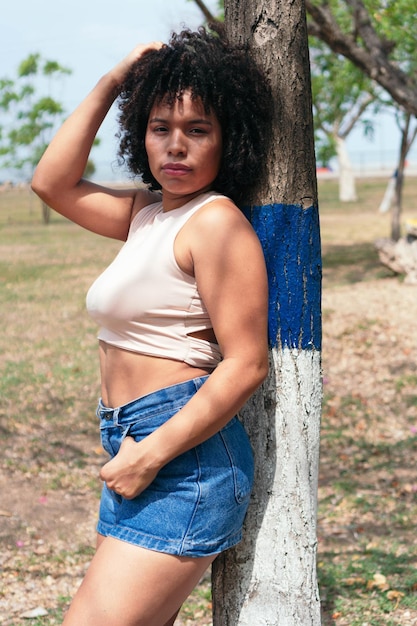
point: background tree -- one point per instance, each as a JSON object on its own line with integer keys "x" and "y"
{"x": 392, "y": 199}
{"x": 208, "y": 15}
{"x": 380, "y": 39}
{"x": 28, "y": 117}
{"x": 341, "y": 96}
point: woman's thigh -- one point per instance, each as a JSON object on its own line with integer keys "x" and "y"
{"x": 127, "y": 585}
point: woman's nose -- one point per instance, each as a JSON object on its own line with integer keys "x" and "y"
{"x": 177, "y": 144}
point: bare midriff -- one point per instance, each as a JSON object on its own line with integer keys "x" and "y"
{"x": 127, "y": 375}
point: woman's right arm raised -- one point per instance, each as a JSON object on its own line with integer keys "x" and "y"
{"x": 58, "y": 178}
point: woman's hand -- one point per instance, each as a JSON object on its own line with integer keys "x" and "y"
{"x": 59, "y": 176}
{"x": 119, "y": 72}
{"x": 127, "y": 473}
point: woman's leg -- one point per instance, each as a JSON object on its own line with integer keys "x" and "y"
{"x": 127, "y": 585}
{"x": 171, "y": 621}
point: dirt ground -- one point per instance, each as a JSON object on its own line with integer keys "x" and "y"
{"x": 369, "y": 359}
{"x": 369, "y": 339}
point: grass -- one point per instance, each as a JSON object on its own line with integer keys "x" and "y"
{"x": 348, "y": 230}
{"x": 49, "y": 381}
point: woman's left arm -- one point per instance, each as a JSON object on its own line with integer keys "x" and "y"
{"x": 230, "y": 271}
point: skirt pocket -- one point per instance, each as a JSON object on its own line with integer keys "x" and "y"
{"x": 239, "y": 451}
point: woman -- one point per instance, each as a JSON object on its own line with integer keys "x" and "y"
{"x": 182, "y": 312}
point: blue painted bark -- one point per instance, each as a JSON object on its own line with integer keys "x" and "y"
{"x": 290, "y": 237}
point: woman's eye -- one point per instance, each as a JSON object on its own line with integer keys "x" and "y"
{"x": 159, "y": 129}
{"x": 198, "y": 131}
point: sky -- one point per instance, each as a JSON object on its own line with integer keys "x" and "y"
{"x": 89, "y": 37}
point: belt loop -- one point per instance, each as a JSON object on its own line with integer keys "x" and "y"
{"x": 107, "y": 413}
{"x": 199, "y": 382}
{"x": 99, "y": 408}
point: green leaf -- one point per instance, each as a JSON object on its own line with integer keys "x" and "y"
{"x": 29, "y": 66}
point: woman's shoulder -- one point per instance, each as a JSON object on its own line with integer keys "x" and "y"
{"x": 219, "y": 212}
{"x": 217, "y": 228}
{"x": 143, "y": 199}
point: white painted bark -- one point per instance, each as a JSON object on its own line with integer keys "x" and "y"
{"x": 276, "y": 560}
{"x": 347, "y": 185}
{"x": 389, "y": 196}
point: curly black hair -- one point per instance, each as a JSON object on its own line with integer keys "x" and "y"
{"x": 229, "y": 83}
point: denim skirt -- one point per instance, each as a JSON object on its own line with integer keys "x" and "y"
{"x": 197, "y": 503}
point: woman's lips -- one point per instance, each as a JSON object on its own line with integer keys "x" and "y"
{"x": 175, "y": 169}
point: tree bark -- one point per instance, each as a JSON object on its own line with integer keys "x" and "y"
{"x": 347, "y": 186}
{"x": 278, "y": 37}
{"x": 406, "y": 142}
{"x": 270, "y": 578}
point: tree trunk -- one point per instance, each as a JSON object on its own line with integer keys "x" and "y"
{"x": 347, "y": 187}
{"x": 399, "y": 183}
{"x": 389, "y": 195}
{"x": 270, "y": 578}
{"x": 46, "y": 213}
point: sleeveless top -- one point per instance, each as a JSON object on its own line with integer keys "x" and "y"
{"x": 144, "y": 302}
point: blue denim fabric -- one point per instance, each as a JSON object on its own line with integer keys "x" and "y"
{"x": 197, "y": 503}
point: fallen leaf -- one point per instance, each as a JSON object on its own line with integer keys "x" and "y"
{"x": 378, "y": 581}
{"x": 395, "y": 595}
{"x": 354, "y": 580}
{"x": 39, "y": 611}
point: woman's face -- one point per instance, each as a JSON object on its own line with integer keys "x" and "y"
{"x": 184, "y": 147}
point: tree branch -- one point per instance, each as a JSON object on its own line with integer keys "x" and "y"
{"x": 377, "y": 46}
{"x": 208, "y": 15}
{"x": 371, "y": 57}
{"x": 356, "y": 115}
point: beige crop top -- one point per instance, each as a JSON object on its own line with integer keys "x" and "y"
{"x": 144, "y": 302}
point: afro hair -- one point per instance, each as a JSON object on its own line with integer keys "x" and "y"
{"x": 227, "y": 81}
